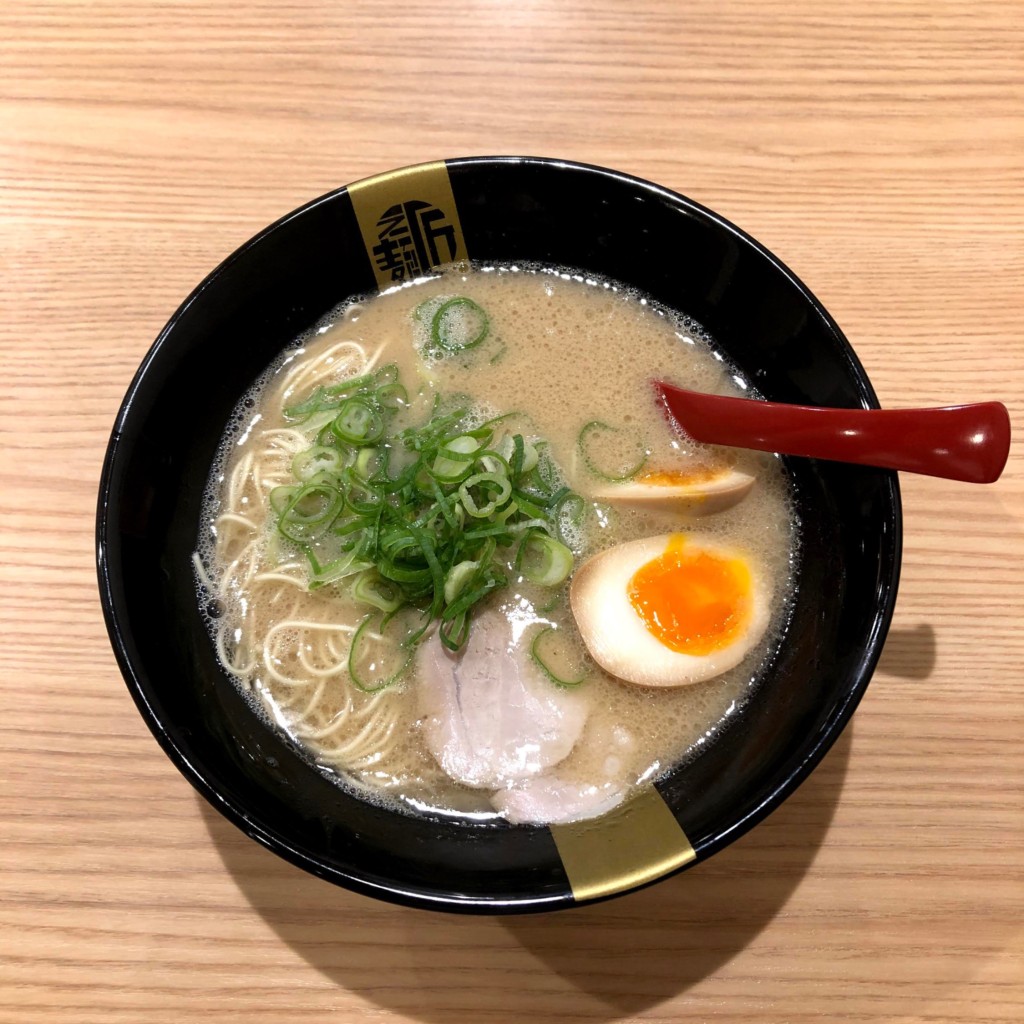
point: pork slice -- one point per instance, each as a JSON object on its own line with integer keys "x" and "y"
{"x": 550, "y": 799}
{"x": 490, "y": 718}
{"x": 585, "y": 787}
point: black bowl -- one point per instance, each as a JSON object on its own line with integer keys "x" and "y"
{"x": 503, "y": 209}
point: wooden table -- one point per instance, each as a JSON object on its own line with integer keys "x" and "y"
{"x": 876, "y": 147}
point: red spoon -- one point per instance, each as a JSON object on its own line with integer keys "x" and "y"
{"x": 960, "y": 442}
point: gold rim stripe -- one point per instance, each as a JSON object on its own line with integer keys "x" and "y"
{"x": 409, "y": 222}
{"x": 634, "y": 844}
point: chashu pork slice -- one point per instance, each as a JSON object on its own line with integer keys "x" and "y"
{"x": 551, "y": 800}
{"x": 490, "y": 718}
{"x": 575, "y": 792}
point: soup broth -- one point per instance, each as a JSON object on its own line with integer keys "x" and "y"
{"x": 562, "y": 351}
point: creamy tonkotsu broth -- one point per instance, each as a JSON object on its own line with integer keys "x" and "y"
{"x": 562, "y": 351}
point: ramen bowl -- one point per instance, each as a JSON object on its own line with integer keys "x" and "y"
{"x": 763, "y": 321}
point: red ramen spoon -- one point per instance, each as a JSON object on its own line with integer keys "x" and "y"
{"x": 960, "y": 442}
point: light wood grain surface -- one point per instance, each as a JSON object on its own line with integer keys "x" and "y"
{"x": 876, "y": 147}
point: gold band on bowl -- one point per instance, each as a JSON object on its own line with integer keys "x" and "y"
{"x": 409, "y": 222}
{"x": 632, "y": 845}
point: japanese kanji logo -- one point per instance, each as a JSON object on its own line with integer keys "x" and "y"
{"x": 413, "y": 237}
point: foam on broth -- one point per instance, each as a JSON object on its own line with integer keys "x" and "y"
{"x": 565, "y": 349}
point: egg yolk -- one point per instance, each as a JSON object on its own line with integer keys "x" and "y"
{"x": 692, "y": 601}
{"x": 674, "y": 477}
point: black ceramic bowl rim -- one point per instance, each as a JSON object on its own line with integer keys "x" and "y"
{"x": 539, "y": 874}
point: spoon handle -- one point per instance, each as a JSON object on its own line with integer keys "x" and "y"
{"x": 960, "y": 442}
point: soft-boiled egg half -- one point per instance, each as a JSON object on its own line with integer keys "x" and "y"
{"x": 669, "y": 610}
{"x": 700, "y": 491}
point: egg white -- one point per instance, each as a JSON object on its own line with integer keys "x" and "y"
{"x": 616, "y": 636}
{"x": 700, "y": 497}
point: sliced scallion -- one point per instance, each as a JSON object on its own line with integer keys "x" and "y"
{"x": 357, "y": 422}
{"x": 368, "y": 462}
{"x": 280, "y": 497}
{"x": 559, "y": 659}
{"x": 455, "y": 459}
{"x": 623, "y": 461}
{"x": 542, "y": 559}
{"x": 493, "y": 487}
{"x": 371, "y": 588}
{"x": 349, "y": 564}
{"x": 392, "y": 396}
{"x": 375, "y": 660}
{"x": 429, "y": 519}
{"x": 458, "y": 576}
{"x": 458, "y": 324}
{"x": 310, "y": 511}
{"x": 306, "y": 464}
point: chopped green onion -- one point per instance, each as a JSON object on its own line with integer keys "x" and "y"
{"x": 623, "y": 463}
{"x": 557, "y": 659}
{"x": 368, "y": 463}
{"x": 426, "y": 520}
{"x": 458, "y": 324}
{"x": 542, "y": 559}
{"x": 528, "y": 506}
{"x": 569, "y": 513}
{"x": 331, "y": 397}
{"x": 455, "y": 459}
{"x": 308, "y": 463}
{"x": 341, "y": 568}
{"x": 353, "y": 386}
{"x": 310, "y": 512}
{"x": 571, "y": 505}
{"x": 357, "y": 422}
{"x": 499, "y": 531}
{"x": 349, "y": 525}
{"x": 449, "y": 512}
{"x": 375, "y": 661}
{"x": 496, "y": 489}
{"x": 363, "y": 499}
{"x": 392, "y": 396}
{"x": 457, "y": 578}
{"x": 504, "y": 417}
{"x": 531, "y": 457}
{"x": 371, "y": 588}
{"x": 280, "y": 498}
{"x": 386, "y": 376}
{"x": 306, "y": 408}
{"x": 454, "y": 628}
